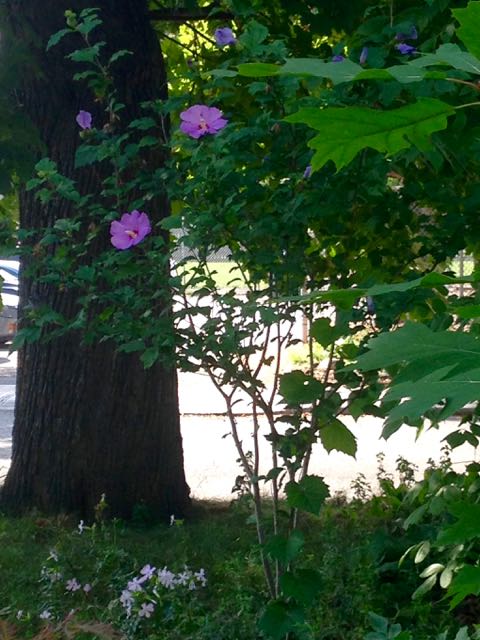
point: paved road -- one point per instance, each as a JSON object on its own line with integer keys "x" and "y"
{"x": 210, "y": 457}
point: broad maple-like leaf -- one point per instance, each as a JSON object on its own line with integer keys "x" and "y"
{"x": 469, "y": 19}
{"x": 346, "y": 131}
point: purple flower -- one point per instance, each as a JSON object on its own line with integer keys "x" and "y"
{"x": 338, "y": 58}
{"x": 200, "y": 120}
{"x": 405, "y": 49}
{"x": 308, "y": 172}
{"x": 224, "y": 36}
{"x": 84, "y": 119}
{"x": 363, "y": 55}
{"x": 72, "y": 585}
{"x": 130, "y": 230}
{"x": 147, "y": 571}
{"x": 146, "y": 610}
{"x": 166, "y": 578}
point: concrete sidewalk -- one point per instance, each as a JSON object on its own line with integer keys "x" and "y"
{"x": 210, "y": 454}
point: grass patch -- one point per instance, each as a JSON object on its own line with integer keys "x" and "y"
{"x": 224, "y": 274}
{"x": 354, "y": 546}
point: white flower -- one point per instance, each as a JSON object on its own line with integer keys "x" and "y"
{"x": 172, "y": 520}
{"x": 19, "y": 614}
{"x": 73, "y": 585}
{"x": 126, "y": 598}
{"x": 184, "y": 577}
{"x": 201, "y": 577}
{"x": 81, "y": 527}
{"x": 147, "y": 571}
{"x": 166, "y": 578}
{"x": 53, "y": 555}
{"x": 45, "y": 615}
{"x": 146, "y": 610}
{"x": 135, "y": 584}
{"x": 87, "y": 587}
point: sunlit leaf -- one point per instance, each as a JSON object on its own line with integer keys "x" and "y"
{"x": 344, "y": 132}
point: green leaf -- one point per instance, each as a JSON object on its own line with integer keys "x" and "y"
{"x": 425, "y": 587}
{"x": 437, "y": 366}
{"x": 465, "y": 583}
{"x": 303, "y": 586}
{"x": 432, "y": 570}
{"x": 252, "y": 70}
{"x": 220, "y": 73}
{"x": 469, "y": 19}
{"x": 416, "y": 343}
{"x": 346, "y": 131}
{"x": 55, "y": 39}
{"x": 336, "y": 436}
{"x": 447, "y": 54}
{"x": 378, "y": 623}
{"x": 285, "y": 549}
{"x": 143, "y": 124}
{"x": 120, "y": 54}
{"x": 466, "y": 528}
{"x": 337, "y": 72}
{"x": 85, "y": 155}
{"x": 89, "y": 54}
{"x": 297, "y": 387}
{"x": 150, "y": 357}
{"x": 307, "y": 495}
{"x": 324, "y": 332}
{"x": 253, "y": 35}
{"x": 279, "y": 618}
{"x": 415, "y": 517}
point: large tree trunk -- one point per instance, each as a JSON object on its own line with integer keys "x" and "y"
{"x": 88, "y": 421}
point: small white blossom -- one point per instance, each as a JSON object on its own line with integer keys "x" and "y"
{"x": 53, "y": 555}
{"x": 126, "y": 598}
{"x": 87, "y": 587}
{"x": 184, "y": 577}
{"x": 73, "y": 585}
{"x": 19, "y": 614}
{"x": 201, "y": 577}
{"x": 166, "y": 578}
{"x": 45, "y": 615}
{"x": 81, "y": 527}
{"x": 135, "y": 584}
{"x": 146, "y": 610}
{"x": 172, "y": 520}
{"x": 147, "y": 571}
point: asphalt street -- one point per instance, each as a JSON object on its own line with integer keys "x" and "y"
{"x": 210, "y": 455}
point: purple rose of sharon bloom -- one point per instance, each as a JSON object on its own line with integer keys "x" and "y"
{"x": 363, "y": 55}
{"x": 308, "y": 172}
{"x": 200, "y": 120}
{"x": 405, "y": 49}
{"x": 224, "y": 36}
{"x": 84, "y": 119}
{"x": 132, "y": 229}
{"x": 338, "y": 58}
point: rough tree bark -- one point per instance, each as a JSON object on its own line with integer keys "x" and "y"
{"x": 88, "y": 421}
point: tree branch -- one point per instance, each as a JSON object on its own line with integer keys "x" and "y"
{"x": 184, "y": 15}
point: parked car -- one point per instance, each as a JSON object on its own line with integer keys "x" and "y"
{"x": 9, "y": 292}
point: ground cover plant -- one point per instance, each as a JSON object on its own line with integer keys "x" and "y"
{"x": 202, "y": 577}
